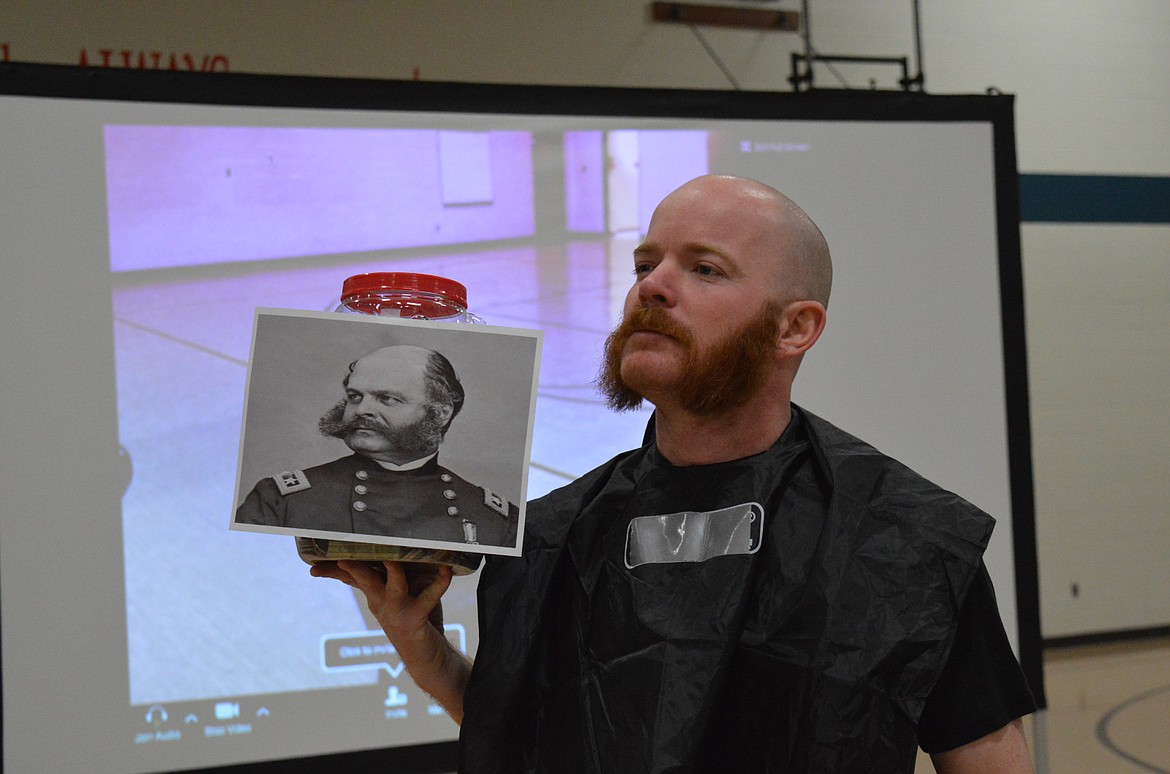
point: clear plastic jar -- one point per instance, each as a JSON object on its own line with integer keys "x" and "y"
{"x": 415, "y": 297}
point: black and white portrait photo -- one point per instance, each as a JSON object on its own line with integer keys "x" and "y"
{"x": 387, "y": 431}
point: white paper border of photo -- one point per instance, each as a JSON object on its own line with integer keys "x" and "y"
{"x": 295, "y": 369}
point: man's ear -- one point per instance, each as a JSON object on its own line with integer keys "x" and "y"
{"x": 443, "y": 412}
{"x": 801, "y": 324}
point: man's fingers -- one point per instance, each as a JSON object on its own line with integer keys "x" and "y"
{"x": 330, "y": 570}
{"x": 436, "y": 590}
{"x": 418, "y": 587}
{"x": 367, "y": 577}
{"x": 419, "y": 575}
{"x": 396, "y": 581}
{"x": 429, "y": 596}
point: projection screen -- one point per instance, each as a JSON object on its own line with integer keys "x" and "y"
{"x": 144, "y": 216}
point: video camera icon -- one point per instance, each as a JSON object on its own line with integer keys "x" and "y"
{"x": 227, "y": 710}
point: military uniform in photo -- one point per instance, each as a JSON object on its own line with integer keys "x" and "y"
{"x": 355, "y": 494}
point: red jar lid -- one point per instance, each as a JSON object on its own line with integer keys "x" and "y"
{"x": 398, "y": 282}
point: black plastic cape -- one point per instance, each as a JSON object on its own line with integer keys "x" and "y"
{"x": 814, "y": 654}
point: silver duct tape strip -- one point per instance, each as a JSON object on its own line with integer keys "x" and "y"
{"x": 694, "y": 536}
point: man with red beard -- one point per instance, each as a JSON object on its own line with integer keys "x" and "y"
{"x": 399, "y": 402}
{"x": 753, "y": 589}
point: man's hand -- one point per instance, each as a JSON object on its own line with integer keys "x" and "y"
{"x": 401, "y": 595}
{"x": 406, "y": 597}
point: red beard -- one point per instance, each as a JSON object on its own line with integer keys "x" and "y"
{"x": 724, "y": 377}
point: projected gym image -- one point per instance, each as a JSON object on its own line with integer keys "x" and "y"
{"x": 207, "y": 223}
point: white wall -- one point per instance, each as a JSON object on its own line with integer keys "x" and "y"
{"x": 1091, "y": 98}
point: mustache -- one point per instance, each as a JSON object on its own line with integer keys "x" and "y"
{"x": 654, "y": 319}
{"x": 334, "y": 424}
{"x": 419, "y": 437}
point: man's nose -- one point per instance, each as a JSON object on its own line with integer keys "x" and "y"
{"x": 657, "y": 287}
{"x": 362, "y": 409}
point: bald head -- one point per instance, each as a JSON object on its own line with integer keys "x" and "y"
{"x": 778, "y": 226}
{"x": 400, "y": 356}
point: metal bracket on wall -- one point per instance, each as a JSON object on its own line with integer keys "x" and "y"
{"x": 802, "y": 77}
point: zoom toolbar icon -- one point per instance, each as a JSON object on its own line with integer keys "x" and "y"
{"x": 227, "y": 710}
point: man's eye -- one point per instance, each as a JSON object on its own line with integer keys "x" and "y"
{"x": 353, "y": 397}
{"x": 707, "y": 270}
{"x": 642, "y": 268}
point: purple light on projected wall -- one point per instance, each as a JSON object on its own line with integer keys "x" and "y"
{"x": 181, "y": 196}
{"x": 666, "y": 160}
{"x": 585, "y": 182}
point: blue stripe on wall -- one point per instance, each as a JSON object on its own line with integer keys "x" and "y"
{"x": 1094, "y": 199}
